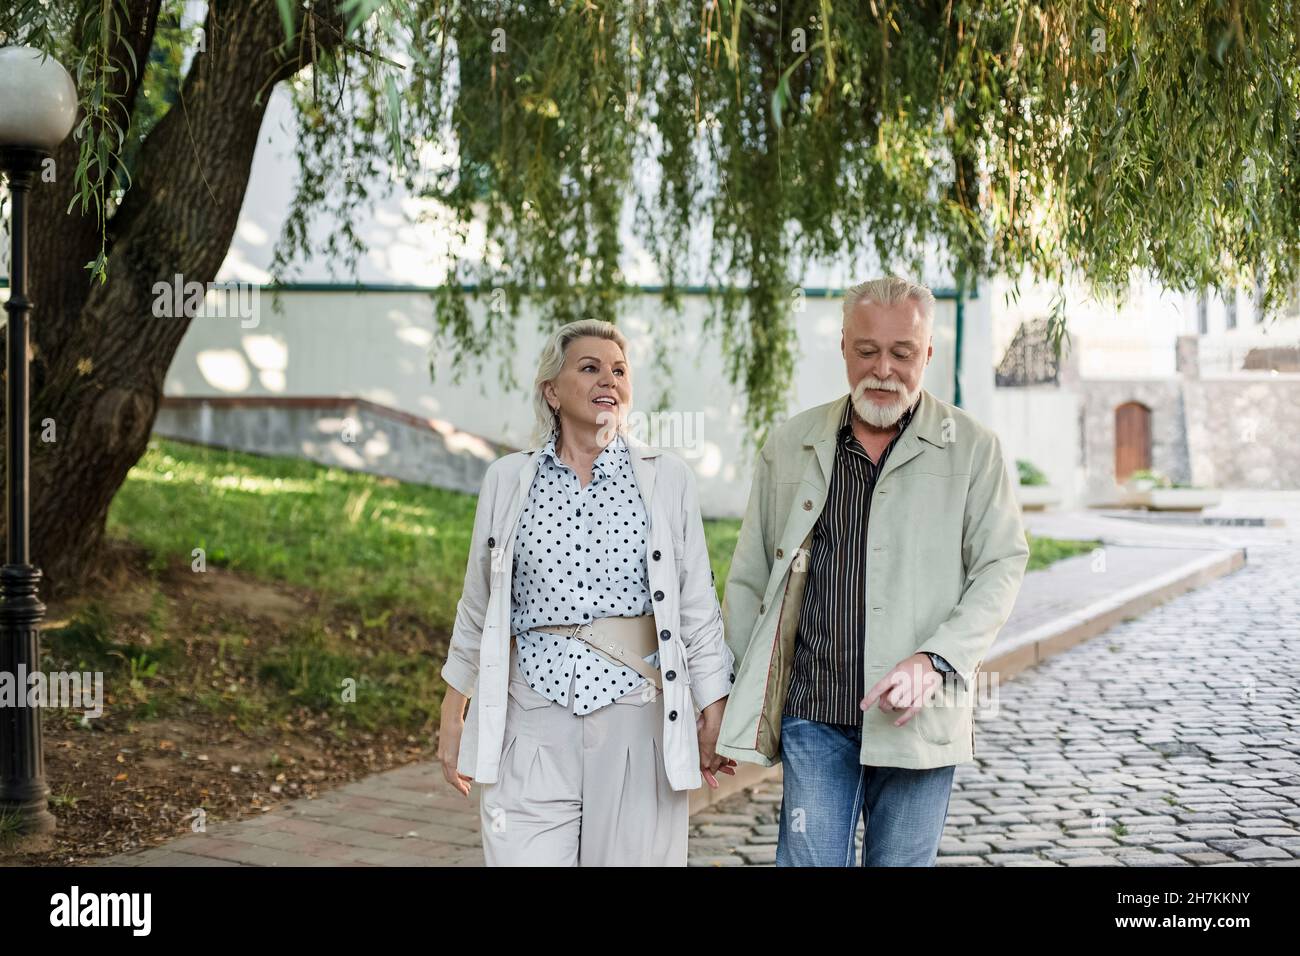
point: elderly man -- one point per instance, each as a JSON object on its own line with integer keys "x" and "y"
{"x": 882, "y": 547}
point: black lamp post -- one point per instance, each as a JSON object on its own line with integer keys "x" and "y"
{"x": 38, "y": 104}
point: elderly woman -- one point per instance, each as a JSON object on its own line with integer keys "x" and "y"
{"x": 588, "y": 633}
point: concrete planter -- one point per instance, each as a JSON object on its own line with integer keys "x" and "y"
{"x": 1181, "y": 499}
{"x": 1037, "y": 497}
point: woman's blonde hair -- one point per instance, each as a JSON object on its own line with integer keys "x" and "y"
{"x": 552, "y": 363}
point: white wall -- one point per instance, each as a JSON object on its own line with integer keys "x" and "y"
{"x": 1041, "y": 423}
{"x": 377, "y": 345}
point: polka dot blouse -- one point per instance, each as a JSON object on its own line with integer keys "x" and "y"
{"x": 580, "y": 555}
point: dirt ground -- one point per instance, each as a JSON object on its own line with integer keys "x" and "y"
{"x": 129, "y": 782}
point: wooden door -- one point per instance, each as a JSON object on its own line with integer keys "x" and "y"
{"x": 1132, "y": 439}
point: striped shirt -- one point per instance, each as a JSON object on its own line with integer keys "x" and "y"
{"x": 828, "y": 680}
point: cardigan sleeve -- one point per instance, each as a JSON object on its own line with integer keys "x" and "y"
{"x": 461, "y": 669}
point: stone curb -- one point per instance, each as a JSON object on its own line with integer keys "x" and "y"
{"x": 1038, "y": 644}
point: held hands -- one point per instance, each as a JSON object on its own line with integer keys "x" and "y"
{"x": 707, "y": 725}
{"x": 906, "y": 688}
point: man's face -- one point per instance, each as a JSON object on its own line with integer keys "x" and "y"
{"x": 886, "y": 349}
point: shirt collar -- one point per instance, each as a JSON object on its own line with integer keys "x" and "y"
{"x": 606, "y": 462}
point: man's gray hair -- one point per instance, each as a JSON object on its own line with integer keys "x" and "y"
{"x": 890, "y": 291}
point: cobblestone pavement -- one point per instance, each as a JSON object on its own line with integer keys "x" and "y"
{"x": 1170, "y": 740}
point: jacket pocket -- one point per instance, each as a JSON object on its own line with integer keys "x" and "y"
{"x": 935, "y": 724}
{"x": 939, "y": 721}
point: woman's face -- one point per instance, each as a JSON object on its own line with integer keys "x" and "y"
{"x": 594, "y": 389}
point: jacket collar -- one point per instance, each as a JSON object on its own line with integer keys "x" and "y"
{"x": 926, "y": 425}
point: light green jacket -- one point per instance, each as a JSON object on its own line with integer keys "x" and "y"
{"x": 946, "y": 555}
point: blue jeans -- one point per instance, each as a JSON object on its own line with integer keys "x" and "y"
{"x": 826, "y": 789}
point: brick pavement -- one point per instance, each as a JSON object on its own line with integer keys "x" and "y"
{"x": 1169, "y": 740}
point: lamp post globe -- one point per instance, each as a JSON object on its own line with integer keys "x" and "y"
{"x": 38, "y": 101}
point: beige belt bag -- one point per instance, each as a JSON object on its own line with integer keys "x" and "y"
{"x": 625, "y": 640}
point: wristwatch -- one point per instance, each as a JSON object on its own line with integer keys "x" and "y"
{"x": 942, "y": 666}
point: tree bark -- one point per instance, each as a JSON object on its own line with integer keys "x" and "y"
{"x": 99, "y": 354}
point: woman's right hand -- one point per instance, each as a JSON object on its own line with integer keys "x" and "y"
{"x": 449, "y": 731}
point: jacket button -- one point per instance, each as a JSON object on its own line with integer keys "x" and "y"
{"x": 807, "y": 506}
{"x": 655, "y": 555}
{"x": 492, "y": 542}
{"x": 671, "y": 675}
{"x": 780, "y": 553}
{"x": 664, "y": 635}
{"x": 659, "y": 595}
{"x": 672, "y": 715}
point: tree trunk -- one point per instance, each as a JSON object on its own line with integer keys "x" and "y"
{"x": 99, "y": 354}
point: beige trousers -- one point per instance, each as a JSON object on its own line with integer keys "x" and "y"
{"x": 582, "y": 790}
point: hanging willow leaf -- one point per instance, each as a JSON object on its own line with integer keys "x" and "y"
{"x": 971, "y": 138}
{"x": 287, "y": 19}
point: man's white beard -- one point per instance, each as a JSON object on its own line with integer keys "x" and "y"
{"x": 881, "y": 416}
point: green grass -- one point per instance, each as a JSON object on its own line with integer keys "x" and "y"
{"x": 64, "y": 798}
{"x": 369, "y": 544}
{"x": 86, "y": 644}
{"x": 370, "y": 690}
{"x": 722, "y": 533}
{"x": 10, "y": 825}
{"x": 1044, "y": 551}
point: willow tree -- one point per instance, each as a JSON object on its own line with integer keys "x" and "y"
{"x": 743, "y": 140}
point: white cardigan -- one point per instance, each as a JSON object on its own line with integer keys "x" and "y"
{"x": 686, "y": 610}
